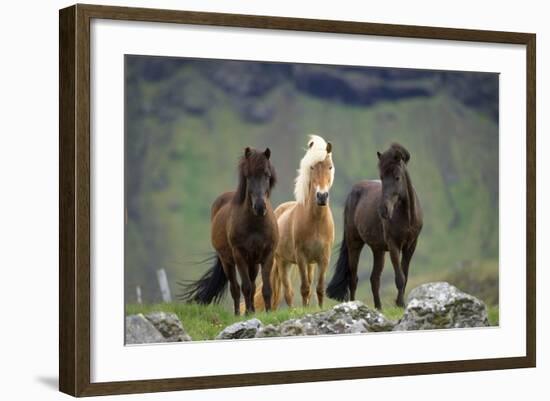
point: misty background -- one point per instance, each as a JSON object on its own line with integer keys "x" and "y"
{"x": 187, "y": 122}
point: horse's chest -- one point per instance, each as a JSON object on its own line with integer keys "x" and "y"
{"x": 313, "y": 248}
{"x": 255, "y": 244}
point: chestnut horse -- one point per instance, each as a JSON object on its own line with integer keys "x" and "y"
{"x": 244, "y": 234}
{"x": 306, "y": 226}
{"x": 387, "y": 216}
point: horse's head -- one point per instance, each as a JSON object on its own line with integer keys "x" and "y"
{"x": 321, "y": 177}
{"x": 393, "y": 173}
{"x": 256, "y": 179}
{"x": 316, "y": 172}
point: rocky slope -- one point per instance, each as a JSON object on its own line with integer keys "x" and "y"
{"x": 430, "y": 306}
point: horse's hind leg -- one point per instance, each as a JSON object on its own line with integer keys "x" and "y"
{"x": 267, "y": 290}
{"x": 354, "y": 252}
{"x": 310, "y": 272}
{"x": 253, "y": 271}
{"x": 276, "y": 282}
{"x": 284, "y": 273}
{"x": 377, "y": 267}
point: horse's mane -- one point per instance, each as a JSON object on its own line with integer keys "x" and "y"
{"x": 252, "y": 162}
{"x": 393, "y": 157}
{"x": 316, "y": 152}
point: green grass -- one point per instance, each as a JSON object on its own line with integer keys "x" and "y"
{"x": 493, "y": 313}
{"x": 205, "y": 322}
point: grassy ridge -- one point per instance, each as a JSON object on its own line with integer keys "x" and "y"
{"x": 205, "y": 322}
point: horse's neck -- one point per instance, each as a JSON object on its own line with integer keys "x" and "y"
{"x": 410, "y": 199}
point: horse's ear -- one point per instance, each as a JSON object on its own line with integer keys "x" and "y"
{"x": 267, "y": 153}
{"x": 379, "y": 155}
{"x": 329, "y": 147}
{"x": 247, "y": 152}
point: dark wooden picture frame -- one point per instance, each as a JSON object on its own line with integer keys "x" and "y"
{"x": 74, "y": 199}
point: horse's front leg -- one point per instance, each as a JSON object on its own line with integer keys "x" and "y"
{"x": 253, "y": 270}
{"x": 395, "y": 256}
{"x": 267, "y": 266}
{"x": 246, "y": 284}
{"x": 408, "y": 251}
{"x": 378, "y": 256}
{"x": 305, "y": 287}
{"x": 231, "y": 274}
{"x": 323, "y": 267}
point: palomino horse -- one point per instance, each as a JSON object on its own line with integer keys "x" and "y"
{"x": 244, "y": 234}
{"x": 306, "y": 226}
{"x": 387, "y": 216}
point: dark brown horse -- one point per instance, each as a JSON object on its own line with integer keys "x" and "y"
{"x": 387, "y": 216}
{"x": 244, "y": 234}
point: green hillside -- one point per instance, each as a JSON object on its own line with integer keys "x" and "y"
{"x": 185, "y": 129}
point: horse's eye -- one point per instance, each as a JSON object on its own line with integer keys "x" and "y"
{"x": 311, "y": 167}
{"x": 330, "y": 168}
{"x": 397, "y": 178}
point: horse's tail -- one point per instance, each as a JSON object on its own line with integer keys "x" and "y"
{"x": 210, "y": 288}
{"x": 338, "y": 287}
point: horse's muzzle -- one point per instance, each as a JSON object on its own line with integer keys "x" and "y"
{"x": 385, "y": 212}
{"x": 259, "y": 209}
{"x": 322, "y": 198}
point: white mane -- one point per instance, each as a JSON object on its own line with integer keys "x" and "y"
{"x": 316, "y": 152}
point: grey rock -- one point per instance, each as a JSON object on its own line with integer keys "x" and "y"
{"x": 374, "y": 320}
{"x": 269, "y": 331}
{"x": 346, "y": 318}
{"x": 441, "y": 305}
{"x": 169, "y": 325}
{"x": 139, "y": 330}
{"x": 244, "y": 329}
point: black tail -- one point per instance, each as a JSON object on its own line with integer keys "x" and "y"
{"x": 209, "y": 288}
{"x": 338, "y": 288}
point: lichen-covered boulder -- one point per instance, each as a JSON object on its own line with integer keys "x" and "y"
{"x": 169, "y": 325}
{"x": 374, "y": 320}
{"x": 244, "y": 329}
{"x": 346, "y": 318}
{"x": 269, "y": 331}
{"x": 442, "y": 306}
{"x": 139, "y": 330}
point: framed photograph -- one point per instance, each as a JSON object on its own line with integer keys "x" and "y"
{"x": 232, "y": 187}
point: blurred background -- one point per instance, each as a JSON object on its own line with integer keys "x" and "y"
{"x": 188, "y": 120}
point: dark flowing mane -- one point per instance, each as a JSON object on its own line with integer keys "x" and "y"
{"x": 252, "y": 163}
{"x": 393, "y": 157}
